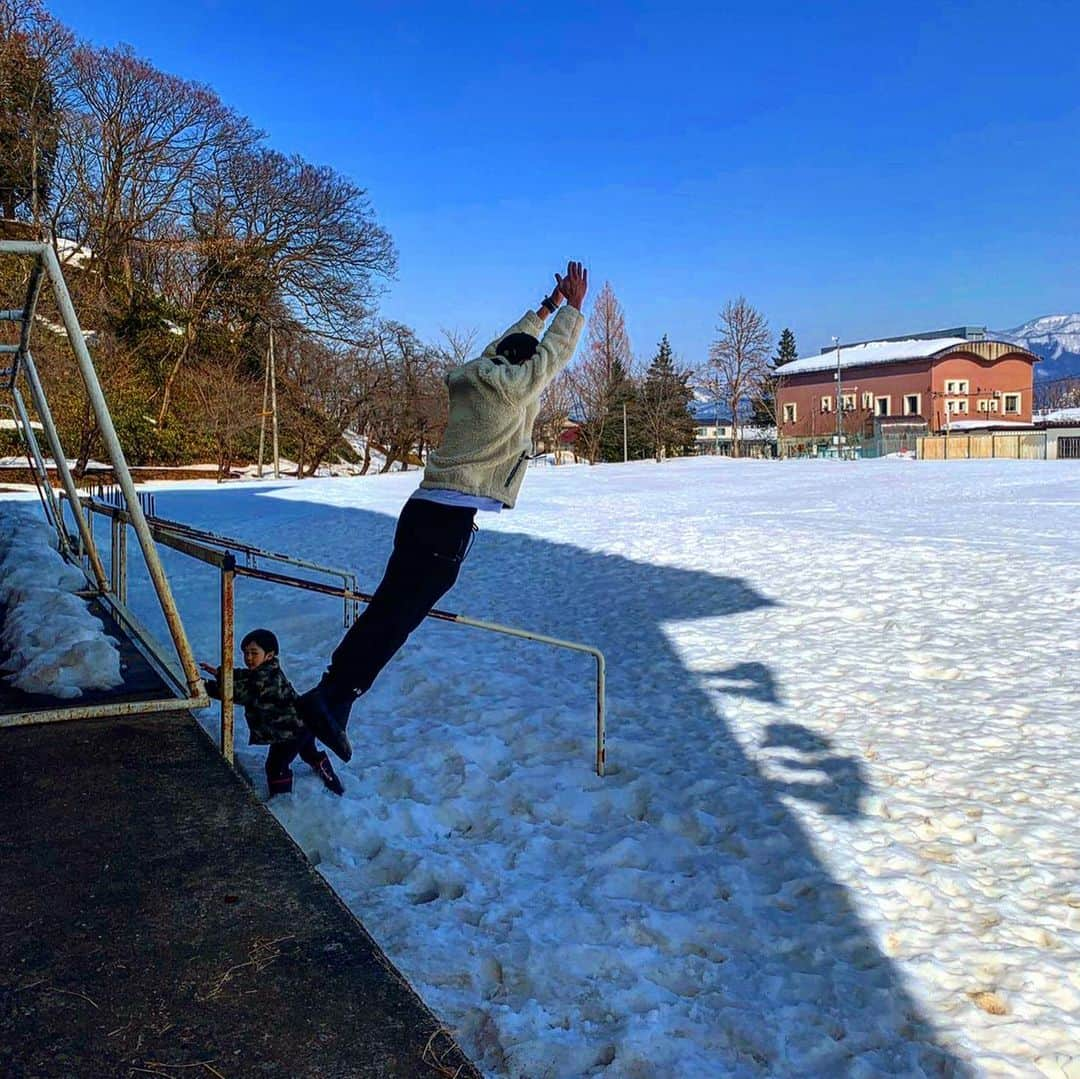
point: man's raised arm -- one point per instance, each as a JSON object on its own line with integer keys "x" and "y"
{"x": 556, "y": 347}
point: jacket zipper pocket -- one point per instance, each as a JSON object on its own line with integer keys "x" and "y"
{"x": 514, "y": 470}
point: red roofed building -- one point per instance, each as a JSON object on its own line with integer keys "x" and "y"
{"x": 895, "y": 390}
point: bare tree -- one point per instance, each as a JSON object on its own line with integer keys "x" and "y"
{"x": 737, "y": 359}
{"x": 303, "y": 233}
{"x": 556, "y": 407}
{"x": 1057, "y": 393}
{"x": 410, "y": 410}
{"x": 603, "y": 366}
{"x": 457, "y": 345}
{"x": 143, "y": 142}
{"x": 227, "y": 402}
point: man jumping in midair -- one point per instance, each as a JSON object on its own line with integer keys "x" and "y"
{"x": 479, "y": 466}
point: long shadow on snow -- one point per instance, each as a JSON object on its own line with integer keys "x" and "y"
{"x": 802, "y": 947}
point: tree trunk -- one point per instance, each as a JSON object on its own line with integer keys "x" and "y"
{"x": 170, "y": 378}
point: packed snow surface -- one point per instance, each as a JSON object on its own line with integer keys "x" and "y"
{"x": 837, "y": 834}
{"x": 49, "y": 641}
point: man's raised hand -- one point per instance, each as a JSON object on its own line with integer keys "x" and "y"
{"x": 575, "y": 284}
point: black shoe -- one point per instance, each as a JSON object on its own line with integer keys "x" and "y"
{"x": 325, "y": 771}
{"x": 325, "y": 712}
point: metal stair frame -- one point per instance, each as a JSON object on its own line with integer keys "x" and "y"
{"x": 185, "y": 682}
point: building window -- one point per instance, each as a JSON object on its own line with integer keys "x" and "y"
{"x": 956, "y": 385}
{"x": 912, "y": 405}
{"x": 868, "y": 400}
{"x": 849, "y": 402}
{"x": 882, "y": 406}
{"x": 989, "y": 405}
{"x": 956, "y": 407}
{"x": 1012, "y": 404}
{"x": 826, "y": 404}
{"x": 790, "y": 412}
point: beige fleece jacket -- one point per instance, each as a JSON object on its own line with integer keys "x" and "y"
{"x": 493, "y": 405}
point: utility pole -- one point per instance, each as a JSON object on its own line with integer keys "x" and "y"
{"x": 262, "y": 415}
{"x": 625, "y": 454}
{"x": 273, "y": 407}
{"x": 839, "y": 405}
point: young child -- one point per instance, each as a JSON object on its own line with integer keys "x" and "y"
{"x": 269, "y": 702}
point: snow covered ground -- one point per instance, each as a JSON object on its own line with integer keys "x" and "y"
{"x": 838, "y": 831}
{"x": 50, "y": 642}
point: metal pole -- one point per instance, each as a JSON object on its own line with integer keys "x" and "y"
{"x": 839, "y": 404}
{"x": 273, "y": 406}
{"x": 262, "y": 415}
{"x": 601, "y": 729}
{"x": 52, "y": 507}
{"x": 225, "y": 672}
{"x": 41, "y": 406}
{"x": 120, "y": 468}
{"x": 625, "y": 454}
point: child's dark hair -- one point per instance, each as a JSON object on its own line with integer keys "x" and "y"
{"x": 263, "y": 638}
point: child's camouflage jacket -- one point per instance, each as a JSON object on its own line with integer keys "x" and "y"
{"x": 269, "y": 702}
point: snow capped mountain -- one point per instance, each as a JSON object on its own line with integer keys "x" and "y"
{"x": 1056, "y": 338}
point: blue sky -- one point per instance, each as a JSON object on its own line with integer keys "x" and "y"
{"x": 851, "y": 168}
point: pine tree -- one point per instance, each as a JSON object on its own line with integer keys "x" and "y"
{"x": 764, "y": 403}
{"x": 664, "y": 405}
{"x": 29, "y": 111}
{"x": 621, "y": 391}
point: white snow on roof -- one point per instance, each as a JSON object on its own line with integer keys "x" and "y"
{"x": 872, "y": 352}
{"x": 972, "y": 425}
{"x": 1059, "y": 415}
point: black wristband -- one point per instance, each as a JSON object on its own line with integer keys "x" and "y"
{"x": 546, "y": 302}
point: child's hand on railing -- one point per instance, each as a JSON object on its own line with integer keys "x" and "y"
{"x": 209, "y": 670}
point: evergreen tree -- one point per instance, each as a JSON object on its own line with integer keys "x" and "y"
{"x": 664, "y": 405}
{"x": 29, "y": 113}
{"x": 621, "y": 391}
{"x": 764, "y": 403}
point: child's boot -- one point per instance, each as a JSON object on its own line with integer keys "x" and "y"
{"x": 325, "y": 771}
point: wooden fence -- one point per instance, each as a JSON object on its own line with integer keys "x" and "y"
{"x": 1028, "y": 446}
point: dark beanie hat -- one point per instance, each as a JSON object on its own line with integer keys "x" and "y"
{"x": 517, "y": 347}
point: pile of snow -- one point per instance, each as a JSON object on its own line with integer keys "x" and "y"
{"x": 72, "y": 253}
{"x": 49, "y": 641}
{"x": 837, "y": 836}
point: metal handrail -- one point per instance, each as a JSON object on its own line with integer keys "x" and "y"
{"x": 220, "y": 555}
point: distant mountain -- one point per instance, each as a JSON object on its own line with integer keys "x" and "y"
{"x": 1056, "y": 338}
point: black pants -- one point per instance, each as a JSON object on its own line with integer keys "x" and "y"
{"x": 282, "y": 754}
{"x": 430, "y": 543}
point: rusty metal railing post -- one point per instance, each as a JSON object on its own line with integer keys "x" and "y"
{"x": 601, "y": 722}
{"x": 225, "y": 673}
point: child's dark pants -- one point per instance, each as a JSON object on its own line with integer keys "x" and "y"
{"x": 430, "y": 543}
{"x": 282, "y": 754}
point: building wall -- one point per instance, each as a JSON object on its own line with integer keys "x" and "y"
{"x": 882, "y": 380}
{"x": 1010, "y": 374}
{"x": 1054, "y": 434}
{"x": 926, "y": 379}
